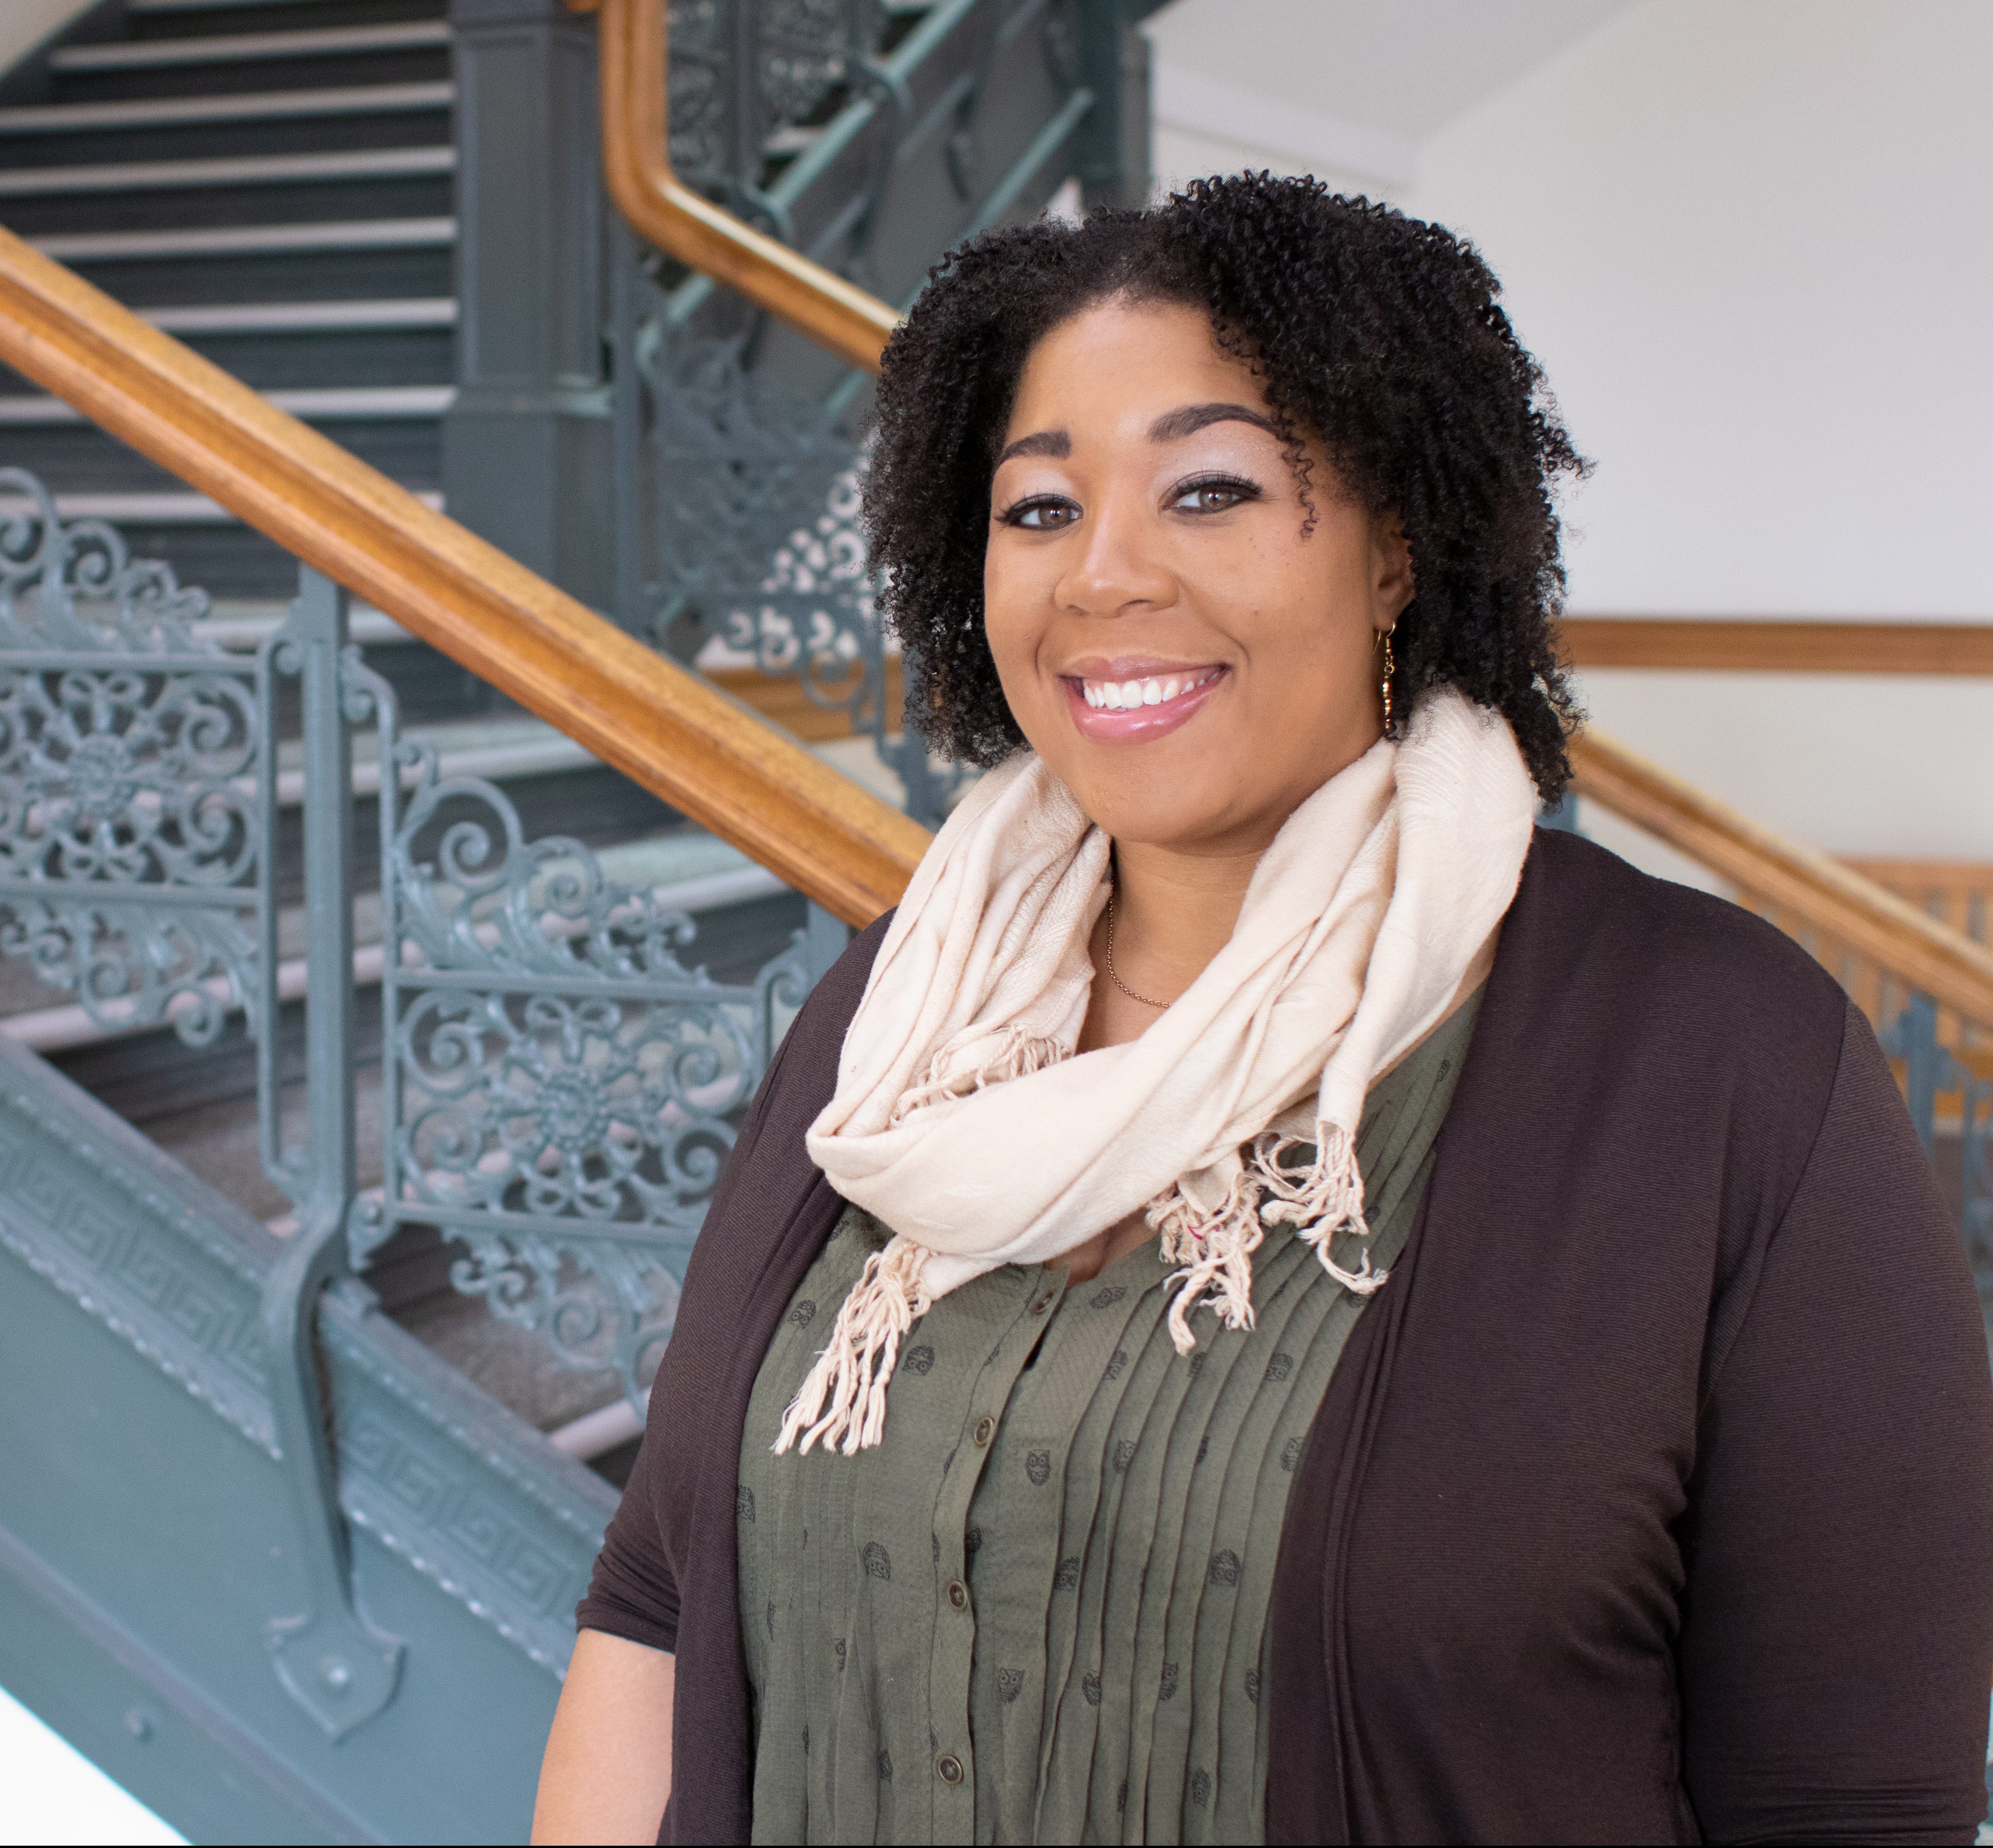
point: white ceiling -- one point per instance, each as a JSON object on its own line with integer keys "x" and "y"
{"x": 1399, "y": 68}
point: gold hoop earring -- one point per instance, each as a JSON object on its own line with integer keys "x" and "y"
{"x": 1390, "y": 668}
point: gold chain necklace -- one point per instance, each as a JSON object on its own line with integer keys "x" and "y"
{"x": 1112, "y": 976}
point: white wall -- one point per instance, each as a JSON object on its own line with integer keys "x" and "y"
{"x": 1748, "y": 239}
{"x": 24, "y": 23}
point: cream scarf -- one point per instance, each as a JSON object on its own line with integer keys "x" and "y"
{"x": 963, "y": 1121}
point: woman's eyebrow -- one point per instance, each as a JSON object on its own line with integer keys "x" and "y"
{"x": 1055, "y": 444}
{"x": 1188, "y": 419}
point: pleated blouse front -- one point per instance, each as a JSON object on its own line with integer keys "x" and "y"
{"x": 1037, "y": 1610}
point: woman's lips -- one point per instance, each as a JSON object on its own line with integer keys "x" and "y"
{"x": 1137, "y": 724}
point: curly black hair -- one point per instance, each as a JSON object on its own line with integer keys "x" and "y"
{"x": 1376, "y": 333}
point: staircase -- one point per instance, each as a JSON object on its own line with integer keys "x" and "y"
{"x": 273, "y": 183}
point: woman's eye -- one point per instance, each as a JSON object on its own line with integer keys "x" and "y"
{"x": 1042, "y": 516}
{"x": 1211, "y": 497}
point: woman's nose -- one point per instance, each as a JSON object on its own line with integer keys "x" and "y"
{"x": 1117, "y": 564}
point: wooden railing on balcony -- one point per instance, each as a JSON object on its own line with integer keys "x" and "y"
{"x": 672, "y": 731}
{"x": 1740, "y": 645}
{"x": 662, "y": 209}
{"x": 1880, "y": 946}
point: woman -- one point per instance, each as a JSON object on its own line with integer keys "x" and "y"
{"x": 1272, "y": 1300}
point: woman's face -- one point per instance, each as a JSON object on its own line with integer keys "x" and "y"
{"x": 1189, "y": 660}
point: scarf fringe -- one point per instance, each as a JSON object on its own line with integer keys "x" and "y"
{"x": 856, "y": 1366}
{"x": 1215, "y": 1249}
{"x": 1017, "y": 1055}
{"x": 842, "y": 1402}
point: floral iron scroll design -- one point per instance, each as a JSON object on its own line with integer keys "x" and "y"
{"x": 134, "y": 828}
{"x": 803, "y": 57}
{"x": 561, "y": 1088}
{"x": 1931, "y": 1070}
{"x": 737, "y": 455}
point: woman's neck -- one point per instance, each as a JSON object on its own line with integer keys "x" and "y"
{"x": 1174, "y": 911}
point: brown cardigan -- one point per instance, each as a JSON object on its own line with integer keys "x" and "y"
{"x": 1651, "y": 1501}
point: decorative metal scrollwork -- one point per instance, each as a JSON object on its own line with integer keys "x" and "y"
{"x": 1931, "y": 1070}
{"x": 133, "y": 825}
{"x": 801, "y": 56}
{"x": 562, "y": 1087}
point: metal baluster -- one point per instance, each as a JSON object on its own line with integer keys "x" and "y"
{"x": 340, "y": 1668}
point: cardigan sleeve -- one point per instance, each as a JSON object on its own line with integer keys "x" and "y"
{"x": 633, "y": 1593}
{"x": 1837, "y": 1638}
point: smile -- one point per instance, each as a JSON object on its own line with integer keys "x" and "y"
{"x": 1125, "y": 695}
{"x": 1133, "y": 709}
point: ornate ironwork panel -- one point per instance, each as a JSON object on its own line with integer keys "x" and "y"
{"x": 132, "y": 836}
{"x": 1931, "y": 1071}
{"x": 743, "y": 70}
{"x": 561, "y": 1084}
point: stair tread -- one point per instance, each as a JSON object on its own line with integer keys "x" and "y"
{"x": 368, "y": 99}
{"x": 329, "y": 402}
{"x": 153, "y": 509}
{"x": 272, "y": 169}
{"x": 360, "y": 234}
{"x": 238, "y": 47}
{"x": 306, "y": 317}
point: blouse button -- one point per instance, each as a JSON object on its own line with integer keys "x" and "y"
{"x": 950, "y": 1767}
{"x": 986, "y": 1428}
{"x": 958, "y": 1594}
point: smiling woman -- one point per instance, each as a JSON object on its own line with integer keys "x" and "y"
{"x": 1272, "y": 1299}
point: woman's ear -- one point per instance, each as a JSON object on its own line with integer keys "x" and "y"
{"x": 1392, "y": 581}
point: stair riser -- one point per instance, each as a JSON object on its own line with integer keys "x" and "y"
{"x": 170, "y": 209}
{"x": 311, "y": 276}
{"x": 421, "y": 65}
{"x": 287, "y": 15}
{"x": 279, "y": 362}
{"x": 84, "y": 460}
{"x": 420, "y": 128}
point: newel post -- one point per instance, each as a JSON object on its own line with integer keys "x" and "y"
{"x": 526, "y": 446}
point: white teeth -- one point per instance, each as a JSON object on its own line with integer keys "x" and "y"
{"x": 1126, "y": 696}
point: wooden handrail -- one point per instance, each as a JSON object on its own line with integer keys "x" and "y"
{"x": 1830, "y": 897}
{"x": 684, "y": 740}
{"x": 662, "y": 209}
{"x": 1728, "y": 646}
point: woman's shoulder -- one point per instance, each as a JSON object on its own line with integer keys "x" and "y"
{"x": 1658, "y": 1015}
{"x": 1588, "y": 921}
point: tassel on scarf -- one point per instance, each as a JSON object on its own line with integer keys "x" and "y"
{"x": 1323, "y": 1199}
{"x": 1215, "y": 1249}
{"x": 857, "y": 1365}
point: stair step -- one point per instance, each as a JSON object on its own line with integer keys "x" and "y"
{"x": 148, "y": 509}
{"x": 249, "y": 240}
{"x": 156, "y": 7}
{"x": 166, "y": 9}
{"x": 306, "y": 317}
{"x": 377, "y": 403}
{"x": 242, "y": 628}
{"x": 152, "y": 54}
{"x": 279, "y": 169}
{"x": 368, "y": 99}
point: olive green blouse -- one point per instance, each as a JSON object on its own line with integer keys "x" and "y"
{"x": 1037, "y": 1610}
